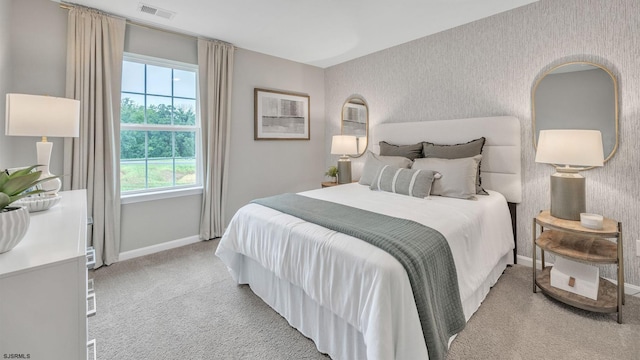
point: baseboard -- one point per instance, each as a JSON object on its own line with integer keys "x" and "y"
{"x": 629, "y": 289}
{"x": 158, "y": 247}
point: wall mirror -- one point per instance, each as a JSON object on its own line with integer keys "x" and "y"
{"x": 577, "y": 95}
{"x": 355, "y": 121}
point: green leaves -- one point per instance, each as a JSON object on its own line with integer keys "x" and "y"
{"x": 5, "y": 200}
{"x": 332, "y": 172}
{"x": 19, "y": 184}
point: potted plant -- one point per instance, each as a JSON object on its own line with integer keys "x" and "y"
{"x": 332, "y": 172}
{"x": 14, "y": 221}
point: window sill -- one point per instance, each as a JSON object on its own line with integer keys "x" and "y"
{"x": 159, "y": 195}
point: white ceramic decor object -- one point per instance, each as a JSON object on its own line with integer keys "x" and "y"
{"x": 14, "y": 222}
{"x": 591, "y": 221}
{"x": 39, "y": 202}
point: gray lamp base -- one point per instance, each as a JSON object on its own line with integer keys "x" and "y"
{"x": 344, "y": 171}
{"x": 567, "y": 196}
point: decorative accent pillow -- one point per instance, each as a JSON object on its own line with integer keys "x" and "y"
{"x": 469, "y": 149}
{"x": 375, "y": 162}
{"x": 409, "y": 151}
{"x": 410, "y": 182}
{"x": 457, "y": 178}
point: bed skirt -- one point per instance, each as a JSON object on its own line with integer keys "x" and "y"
{"x": 331, "y": 334}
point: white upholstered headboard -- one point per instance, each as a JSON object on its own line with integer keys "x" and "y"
{"x": 501, "y": 168}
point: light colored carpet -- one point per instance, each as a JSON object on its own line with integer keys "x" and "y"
{"x": 515, "y": 323}
{"x": 182, "y": 304}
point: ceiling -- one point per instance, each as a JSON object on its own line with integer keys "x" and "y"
{"x": 315, "y": 32}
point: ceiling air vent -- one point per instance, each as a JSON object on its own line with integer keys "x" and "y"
{"x": 151, "y": 10}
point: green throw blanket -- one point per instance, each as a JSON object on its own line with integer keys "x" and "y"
{"x": 423, "y": 251}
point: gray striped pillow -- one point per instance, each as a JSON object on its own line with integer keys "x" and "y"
{"x": 412, "y": 182}
{"x": 374, "y": 162}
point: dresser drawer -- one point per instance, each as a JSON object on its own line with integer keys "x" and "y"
{"x": 91, "y": 350}
{"x": 91, "y": 257}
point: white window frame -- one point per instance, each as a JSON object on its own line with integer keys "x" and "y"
{"x": 134, "y": 196}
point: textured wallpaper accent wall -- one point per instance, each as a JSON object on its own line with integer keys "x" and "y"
{"x": 488, "y": 68}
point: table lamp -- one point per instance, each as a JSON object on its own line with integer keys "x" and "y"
{"x": 570, "y": 151}
{"x": 36, "y": 115}
{"x": 344, "y": 145}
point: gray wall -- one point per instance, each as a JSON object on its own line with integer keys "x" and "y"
{"x": 161, "y": 44}
{"x": 5, "y": 78}
{"x": 38, "y": 32}
{"x": 155, "y": 222}
{"x": 38, "y": 54}
{"x": 262, "y": 168}
{"x": 488, "y": 68}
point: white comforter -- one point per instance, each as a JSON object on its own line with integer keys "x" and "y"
{"x": 360, "y": 283}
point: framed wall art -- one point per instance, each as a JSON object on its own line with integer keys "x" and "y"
{"x": 281, "y": 115}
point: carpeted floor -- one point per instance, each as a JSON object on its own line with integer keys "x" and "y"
{"x": 182, "y": 304}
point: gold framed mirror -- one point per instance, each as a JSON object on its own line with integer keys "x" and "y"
{"x": 577, "y": 95}
{"x": 355, "y": 121}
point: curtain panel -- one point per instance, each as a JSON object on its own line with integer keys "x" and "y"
{"x": 95, "y": 46}
{"x": 215, "y": 63}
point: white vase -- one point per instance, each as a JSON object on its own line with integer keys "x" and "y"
{"x": 14, "y": 222}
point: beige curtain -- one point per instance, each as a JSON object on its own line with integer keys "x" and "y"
{"x": 215, "y": 63}
{"x": 95, "y": 45}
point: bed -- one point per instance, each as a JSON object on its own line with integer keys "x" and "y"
{"x": 355, "y": 300}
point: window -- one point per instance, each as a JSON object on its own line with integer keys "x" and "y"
{"x": 159, "y": 130}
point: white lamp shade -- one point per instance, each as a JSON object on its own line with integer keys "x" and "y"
{"x": 344, "y": 145}
{"x": 36, "y": 115}
{"x": 570, "y": 147}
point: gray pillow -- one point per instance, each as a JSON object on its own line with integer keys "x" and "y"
{"x": 410, "y": 182}
{"x": 409, "y": 151}
{"x": 472, "y": 148}
{"x": 375, "y": 162}
{"x": 457, "y": 176}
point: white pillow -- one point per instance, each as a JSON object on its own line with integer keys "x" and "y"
{"x": 374, "y": 162}
{"x": 458, "y": 176}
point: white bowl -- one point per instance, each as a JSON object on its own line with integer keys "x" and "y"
{"x": 39, "y": 202}
{"x": 591, "y": 221}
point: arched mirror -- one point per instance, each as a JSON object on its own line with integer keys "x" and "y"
{"x": 355, "y": 121}
{"x": 577, "y": 95}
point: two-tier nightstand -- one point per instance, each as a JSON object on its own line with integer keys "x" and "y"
{"x": 571, "y": 240}
{"x": 329, "y": 183}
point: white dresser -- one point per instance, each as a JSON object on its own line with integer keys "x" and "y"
{"x": 44, "y": 293}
